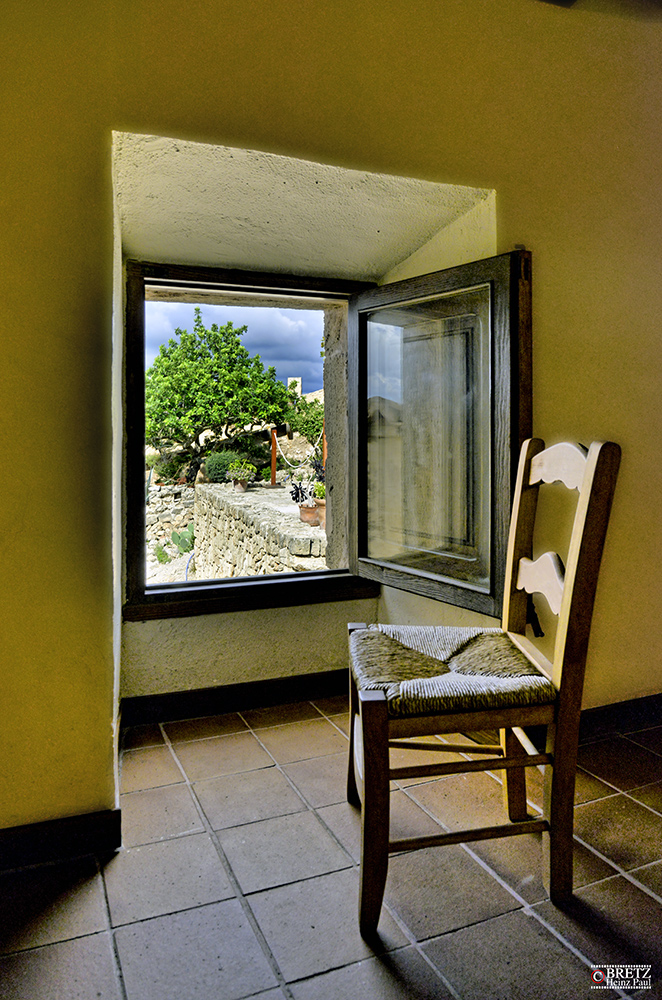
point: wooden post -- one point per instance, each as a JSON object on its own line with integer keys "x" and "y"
{"x": 274, "y": 449}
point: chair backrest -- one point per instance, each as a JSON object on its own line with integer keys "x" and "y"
{"x": 570, "y": 589}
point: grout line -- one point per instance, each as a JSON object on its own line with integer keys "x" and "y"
{"x": 119, "y": 975}
{"x": 623, "y": 872}
{"x": 234, "y": 882}
{"x": 527, "y": 908}
{"x": 412, "y": 941}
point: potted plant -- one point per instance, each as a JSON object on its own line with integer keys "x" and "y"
{"x": 241, "y": 472}
{"x": 319, "y": 496}
{"x": 310, "y": 497}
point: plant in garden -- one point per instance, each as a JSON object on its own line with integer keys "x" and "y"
{"x": 184, "y": 540}
{"x": 161, "y": 553}
{"x": 206, "y": 380}
{"x": 319, "y": 491}
{"x": 305, "y": 416}
{"x": 240, "y": 469}
{"x": 217, "y": 464}
{"x": 302, "y": 493}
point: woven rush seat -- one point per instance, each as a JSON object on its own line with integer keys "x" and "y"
{"x": 435, "y": 669}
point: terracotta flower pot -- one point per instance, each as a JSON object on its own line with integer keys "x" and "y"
{"x": 309, "y": 515}
{"x": 321, "y": 509}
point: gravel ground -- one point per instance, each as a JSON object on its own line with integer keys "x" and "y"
{"x": 172, "y": 572}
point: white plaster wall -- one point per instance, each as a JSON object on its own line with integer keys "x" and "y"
{"x": 472, "y": 236}
{"x": 183, "y": 654}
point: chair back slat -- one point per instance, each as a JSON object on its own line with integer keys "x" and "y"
{"x": 564, "y": 463}
{"x": 583, "y": 562}
{"x": 544, "y": 576}
{"x": 569, "y": 591}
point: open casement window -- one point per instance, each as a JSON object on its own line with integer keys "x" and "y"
{"x": 440, "y": 399}
{"x": 285, "y": 589}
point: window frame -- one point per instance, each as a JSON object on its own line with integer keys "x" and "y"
{"x": 509, "y": 279}
{"x": 177, "y": 600}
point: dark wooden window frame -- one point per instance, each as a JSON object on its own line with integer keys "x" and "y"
{"x": 144, "y": 602}
{"x": 509, "y": 278}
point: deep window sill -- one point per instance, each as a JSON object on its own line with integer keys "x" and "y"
{"x": 250, "y": 594}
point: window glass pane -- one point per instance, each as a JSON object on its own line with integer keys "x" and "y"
{"x": 429, "y": 436}
{"x": 216, "y": 397}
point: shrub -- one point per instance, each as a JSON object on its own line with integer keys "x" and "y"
{"x": 168, "y": 468}
{"x": 217, "y": 464}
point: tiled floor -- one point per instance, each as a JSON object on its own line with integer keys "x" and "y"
{"x": 238, "y": 878}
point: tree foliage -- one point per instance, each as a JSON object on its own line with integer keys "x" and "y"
{"x": 207, "y": 381}
{"x": 306, "y": 416}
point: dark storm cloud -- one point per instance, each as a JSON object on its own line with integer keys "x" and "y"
{"x": 288, "y": 339}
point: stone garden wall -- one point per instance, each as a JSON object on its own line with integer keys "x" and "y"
{"x": 252, "y": 533}
{"x": 168, "y": 509}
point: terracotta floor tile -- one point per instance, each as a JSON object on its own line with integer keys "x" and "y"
{"x": 511, "y": 956}
{"x": 321, "y": 780}
{"x": 158, "y": 814}
{"x": 341, "y": 721}
{"x": 612, "y": 921}
{"x": 413, "y": 758}
{"x": 397, "y": 975}
{"x": 50, "y": 903}
{"x": 71, "y": 970}
{"x": 302, "y": 740}
{"x": 462, "y": 801}
{"x": 281, "y": 850}
{"x": 161, "y": 878}
{"x": 196, "y": 955}
{"x": 518, "y": 861}
{"x": 406, "y": 820}
{"x": 651, "y": 876}
{"x": 149, "y": 767}
{"x": 621, "y": 762}
{"x": 182, "y": 934}
{"x": 280, "y": 715}
{"x": 336, "y": 705}
{"x": 649, "y": 738}
{"x": 199, "y": 729}
{"x": 218, "y": 755}
{"x": 624, "y": 831}
{"x": 649, "y": 795}
{"x": 440, "y": 889}
{"x": 228, "y": 801}
{"x": 312, "y": 926}
{"x": 587, "y": 787}
{"x": 141, "y": 736}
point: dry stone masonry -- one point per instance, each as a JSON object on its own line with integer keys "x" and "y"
{"x": 252, "y": 533}
{"x": 168, "y": 509}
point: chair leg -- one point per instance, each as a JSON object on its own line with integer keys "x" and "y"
{"x": 375, "y": 811}
{"x": 514, "y": 779}
{"x": 558, "y": 810}
{"x": 353, "y": 796}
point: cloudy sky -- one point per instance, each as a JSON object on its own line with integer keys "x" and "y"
{"x": 288, "y": 339}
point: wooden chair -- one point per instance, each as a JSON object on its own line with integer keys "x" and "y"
{"x": 414, "y": 681}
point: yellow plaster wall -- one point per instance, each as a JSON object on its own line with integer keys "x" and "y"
{"x": 557, "y": 109}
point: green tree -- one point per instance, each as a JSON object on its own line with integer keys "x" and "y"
{"x": 207, "y": 381}
{"x": 306, "y": 416}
